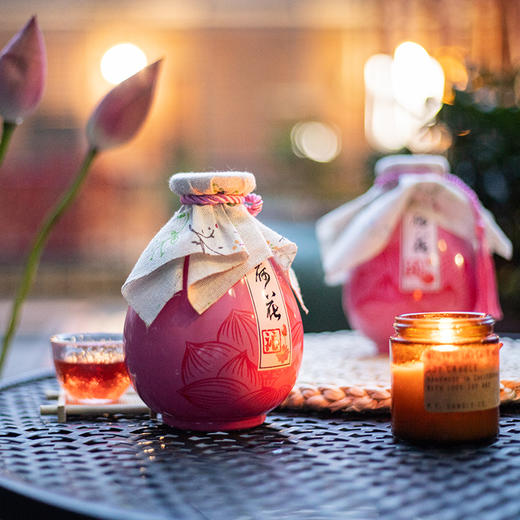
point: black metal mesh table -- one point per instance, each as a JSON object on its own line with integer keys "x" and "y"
{"x": 294, "y": 467}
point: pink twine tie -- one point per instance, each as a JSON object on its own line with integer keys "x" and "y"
{"x": 252, "y": 201}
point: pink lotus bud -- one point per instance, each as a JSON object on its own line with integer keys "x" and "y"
{"x": 120, "y": 114}
{"x": 23, "y": 67}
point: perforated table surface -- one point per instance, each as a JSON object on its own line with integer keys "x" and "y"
{"x": 295, "y": 466}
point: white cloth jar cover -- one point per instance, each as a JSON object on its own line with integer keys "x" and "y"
{"x": 360, "y": 229}
{"x": 224, "y": 242}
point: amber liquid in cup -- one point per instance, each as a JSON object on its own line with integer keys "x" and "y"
{"x": 90, "y": 367}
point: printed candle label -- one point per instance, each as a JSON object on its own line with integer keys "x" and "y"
{"x": 419, "y": 267}
{"x": 274, "y": 332}
{"x": 461, "y": 379}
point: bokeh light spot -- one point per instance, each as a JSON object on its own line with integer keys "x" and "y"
{"x": 315, "y": 140}
{"x": 122, "y": 61}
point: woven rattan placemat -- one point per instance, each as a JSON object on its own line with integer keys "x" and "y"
{"x": 341, "y": 372}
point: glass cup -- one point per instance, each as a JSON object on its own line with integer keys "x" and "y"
{"x": 90, "y": 367}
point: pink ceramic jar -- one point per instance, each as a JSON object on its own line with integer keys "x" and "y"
{"x": 213, "y": 333}
{"x": 223, "y": 369}
{"x": 417, "y": 241}
{"x": 372, "y": 296}
{"x": 430, "y": 263}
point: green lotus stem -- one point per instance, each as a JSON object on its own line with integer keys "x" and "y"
{"x": 33, "y": 260}
{"x": 7, "y": 132}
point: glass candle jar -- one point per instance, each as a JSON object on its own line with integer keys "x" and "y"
{"x": 445, "y": 377}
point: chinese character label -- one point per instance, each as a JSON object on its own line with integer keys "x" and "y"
{"x": 419, "y": 263}
{"x": 274, "y": 331}
{"x": 261, "y": 275}
{"x": 271, "y": 341}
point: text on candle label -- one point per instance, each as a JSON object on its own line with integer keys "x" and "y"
{"x": 461, "y": 380}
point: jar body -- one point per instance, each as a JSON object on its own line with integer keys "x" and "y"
{"x": 374, "y": 294}
{"x": 445, "y": 378}
{"x": 225, "y": 368}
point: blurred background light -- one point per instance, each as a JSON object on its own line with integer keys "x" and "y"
{"x": 377, "y": 74}
{"x": 315, "y": 140}
{"x": 122, "y": 61}
{"x": 456, "y": 74}
{"x": 402, "y": 95}
{"x": 236, "y": 78}
{"x": 417, "y": 80}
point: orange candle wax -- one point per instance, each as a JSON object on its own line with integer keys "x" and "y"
{"x": 410, "y": 420}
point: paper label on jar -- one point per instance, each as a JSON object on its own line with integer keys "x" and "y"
{"x": 461, "y": 379}
{"x": 419, "y": 266}
{"x": 274, "y": 331}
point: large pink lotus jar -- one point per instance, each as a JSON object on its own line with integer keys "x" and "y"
{"x": 417, "y": 241}
{"x": 213, "y": 333}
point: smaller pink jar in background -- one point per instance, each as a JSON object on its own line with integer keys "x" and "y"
{"x": 417, "y": 241}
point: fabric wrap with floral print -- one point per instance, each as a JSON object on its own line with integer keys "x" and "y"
{"x": 224, "y": 242}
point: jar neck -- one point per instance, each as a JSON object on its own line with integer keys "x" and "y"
{"x": 445, "y": 327}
